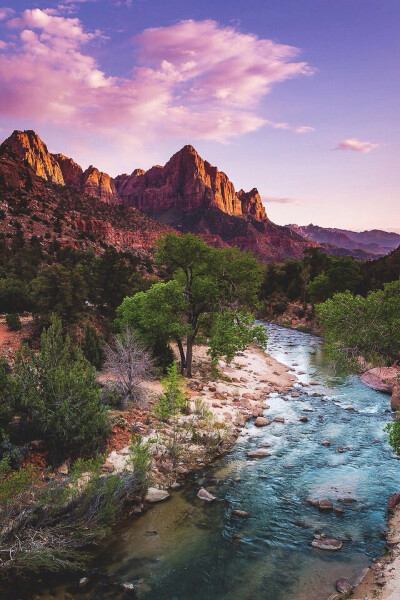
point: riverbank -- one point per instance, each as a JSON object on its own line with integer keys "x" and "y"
{"x": 219, "y": 406}
{"x": 382, "y": 580}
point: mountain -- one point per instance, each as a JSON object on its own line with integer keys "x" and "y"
{"x": 36, "y": 201}
{"x": 364, "y": 244}
{"x": 187, "y": 194}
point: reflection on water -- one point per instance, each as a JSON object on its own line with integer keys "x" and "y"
{"x": 185, "y": 550}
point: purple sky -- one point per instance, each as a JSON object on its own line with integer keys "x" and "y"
{"x": 296, "y": 97}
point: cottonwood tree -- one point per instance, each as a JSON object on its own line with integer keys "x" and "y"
{"x": 130, "y": 363}
{"x": 204, "y": 283}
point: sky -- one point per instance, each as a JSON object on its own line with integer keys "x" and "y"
{"x": 299, "y": 98}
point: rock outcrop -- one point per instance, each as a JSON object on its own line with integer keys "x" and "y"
{"x": 57, "y": 168}
{"x": 187, "y": 183}
{"x": 28, "y": 146}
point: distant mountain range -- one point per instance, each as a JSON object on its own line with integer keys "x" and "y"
{"x": 52, "y": 197}
{"x": 363, "y": 244}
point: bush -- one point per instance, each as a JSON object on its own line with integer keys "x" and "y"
{"x": 140, "y": 461}
{"x": 13, "y": 322}
{"x": 175, "y": 399}
{"x": 57, "y": 398}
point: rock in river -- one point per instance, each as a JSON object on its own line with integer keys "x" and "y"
{"x": 261, "y": 422}
{"x": 240, "y": 513}
{"x": 204, "y": 495}
{"x": 327, "y": 544}
{"x": 156, "y": 495}
{"x": 259, "y": 453}
{"x": 343, "y": 586}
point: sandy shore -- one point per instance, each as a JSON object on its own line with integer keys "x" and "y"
{"x": 219, "y": 409}
{"x": 382, "y": 580}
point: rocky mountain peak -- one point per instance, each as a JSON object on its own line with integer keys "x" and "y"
{"x": 28, "y": 146}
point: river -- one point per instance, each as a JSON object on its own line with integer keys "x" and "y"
{"x": 184, "y": 549}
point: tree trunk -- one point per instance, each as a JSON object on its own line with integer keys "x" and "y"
{"x": 182, "y": 355}
{"x": 189, "y": 355}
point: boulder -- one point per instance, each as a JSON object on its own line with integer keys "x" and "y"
{"x": 343, "y": 586}
{"x": 261, "y": 422}
{"x": 395, "y": 397}
{"x": 381, "y": 379}
{"x": 202, "y": 494}
{"x": 156, "y": 495}
{"x": 259, "y": 453}
{"x": 325, "y": 505}
{"x": 327, "y": 544}
{"x": 393, "y": 501}
{"x": 240, "y": 513}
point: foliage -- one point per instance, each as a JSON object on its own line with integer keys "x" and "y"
{"x": 56, "y": 397}
{"x": 61, "y": 291}
{"x": 92, "y": 347}
{"x": 47, "y": 526}
{"x": 232, "y": 332}
{"x": 370, "y": 326}
{"x": 130, "y": 363}
{"x": 13, "y": 322}
{"x": 203, "y": 282}
{"x": 14, "y": 295}
{"x": 140, "y": 461}
{"x": 175, "y": 398}
{"x": 393, "y": 430}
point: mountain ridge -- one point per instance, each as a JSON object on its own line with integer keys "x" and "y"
{"x": 187, "y": 194}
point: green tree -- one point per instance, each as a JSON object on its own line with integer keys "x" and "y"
{"x": 204, "y": 282}
{"x": 232, "y": 332}
{"x": 92, "y": 347}
{"x": 14, "y": 295}
{"x": 319, "y": 288}
{"x": 61, "y": 291}
{"x": 56, "y": 395}
{"x": 354, "y": 325}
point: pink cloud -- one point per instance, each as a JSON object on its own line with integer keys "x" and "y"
{"x": 192, "y": 79}
{"x": 279, "y": 200}
{"x": 356, "y": 145}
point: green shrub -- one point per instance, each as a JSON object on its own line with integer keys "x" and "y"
{"x": 56, "y": 396}
{"x": 13, "y": 322}
{"x": 140, "y": 461}
{"x": 175, "y": 399}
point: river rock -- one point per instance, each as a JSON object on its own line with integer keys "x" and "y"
{"x": 156, "y": 495}
{"x": 381, "y": 379}
{"x": 395, "y": 397}
{"x": 240, "y": 513}
{"x": 279, "y": 419}
{"x": 304, "y": 419}
{"x": 202, "y": 494}
{"x": 393, "y": 501}
{"x": 259, "y": 453}
{"x": 325, "y": 443}
{"x": 349, "y": 408}
{"x": 295, "y": 394}
{"x": 327, "y": 544}
{"x": 261, "y": 422}
{"x": 325, "y": 505}
{"x": 343, "y": 586}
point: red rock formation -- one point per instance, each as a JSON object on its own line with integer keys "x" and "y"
{"x": 60, "y": 169}
{"x": 187, "y": 183}
{"x": 28, "y": 146}
{"x": 71, "y": 171}
{"x": 100, "y": 185}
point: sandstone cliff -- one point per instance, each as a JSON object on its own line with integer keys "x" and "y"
{"x": 58, "y": 168}
{"x": 187, "y": 183}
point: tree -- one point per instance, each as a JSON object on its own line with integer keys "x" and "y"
{"x": 232, "y": 332}
{"x": 130, "y": 363}
{"x": 14, "y": 296}
{"x": 61, "y": 291}
{"x": 370, "y": 326}
{"x": 56, "y": 396}
{"x": 319, "y": 288}
{"x": 92, "y": 347}
{"x": 204, "y": 282}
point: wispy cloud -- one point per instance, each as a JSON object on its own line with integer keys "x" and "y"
{"x": 278, "y": 200}
{"x": 5, "y": 12}
{"x": 296, "y": 129}
{"x": 356, "y": 145}
{"x": 195, "y": 79}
